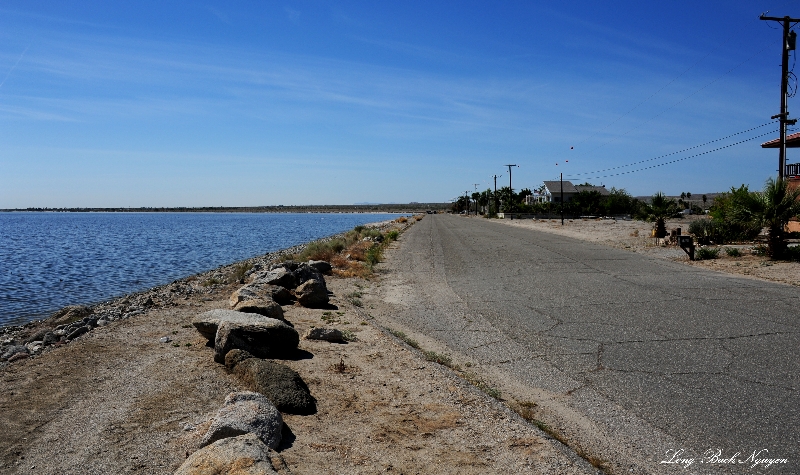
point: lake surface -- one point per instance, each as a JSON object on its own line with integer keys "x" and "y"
{"x": 50, "y": 260}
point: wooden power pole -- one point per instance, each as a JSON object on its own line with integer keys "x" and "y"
{"x": 789, "y": 42}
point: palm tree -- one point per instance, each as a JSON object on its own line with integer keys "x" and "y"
{"x": 475, "y": 197}
{"x": 771, "y": 209}
{"x": 658, "y": 211}
{"x": 705, "y": 198}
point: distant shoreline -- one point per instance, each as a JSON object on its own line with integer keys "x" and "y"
{"x": 367, "y": 208}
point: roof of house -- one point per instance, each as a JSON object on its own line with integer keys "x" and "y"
{"x": 792, "y": 141}
{"x": 600, "y": 189}
{"x": 555, "y": 187}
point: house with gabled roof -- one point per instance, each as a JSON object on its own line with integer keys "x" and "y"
{"x": 552, "y": 190}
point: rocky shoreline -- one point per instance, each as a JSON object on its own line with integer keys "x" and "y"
{"x": 33, "y": 338}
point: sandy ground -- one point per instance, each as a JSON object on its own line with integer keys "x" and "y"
{"x": 117, "y": 400}
{"x": 634, "y": 236}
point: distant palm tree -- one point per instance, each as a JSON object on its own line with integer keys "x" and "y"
{"x": 658, "y": 211}
{"x": 771, "y": 209}
{"x": 705, "y": 198}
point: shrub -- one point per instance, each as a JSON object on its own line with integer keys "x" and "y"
{"x": 372, "y": 233}
{"x": 348, "y": 335}
{"x": 410, "y": 342}
{"x": 393, "y": 235}
{"x": 239, "y": 271}
{"x": 211, "y": 281}
{"x": 733, "y": 252}
{"x": 321, "y": 251}
{"x": 373, "y": 255}
{"x": 442, "y": 359}
{"x": 474, "y": 380}
{"x": 402, "y": 219}
{"x": 707, "y": 253}
{"x": 704, "y": 230}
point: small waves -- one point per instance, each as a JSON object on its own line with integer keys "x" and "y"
{"x": 50, "y": 260}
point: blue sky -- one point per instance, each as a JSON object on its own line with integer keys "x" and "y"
{"x": 304, "y": 102}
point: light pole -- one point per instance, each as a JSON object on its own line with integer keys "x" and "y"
{"x": 510, "y": 190}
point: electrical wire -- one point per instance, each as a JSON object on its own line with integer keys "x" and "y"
{"x": 679, "y": 159}
{"x": 677, "y": 103}
{"x": 679, "y": 151}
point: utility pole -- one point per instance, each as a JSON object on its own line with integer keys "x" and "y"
{"x": 789, "y": 42}
{"x": 496, "y": 205}
{"x": 510, "y": 191}
{"x": 476, "y": 201}
{"x": 562, "y": 198}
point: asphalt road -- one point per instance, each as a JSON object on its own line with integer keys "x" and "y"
{"x": 634, "y": 361}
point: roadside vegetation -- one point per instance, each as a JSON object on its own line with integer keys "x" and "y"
{"x": 741, "y": 215}
{"x": 355, "y": 253}
{"x": 586, "y": 203}
{"x": 447, "y": 361}
{"x": 657, "y": 211}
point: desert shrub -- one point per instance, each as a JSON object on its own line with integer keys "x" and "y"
{"x": 760, "y": 250}
{"x": 729, "y": 215}
{"x": 707, "y": 253}
{"x": 239, "y": 271}
{"x": 474, "y": 380}
{"x": 373, "y": 255}
{"x": 212, "y": 281}
{"x": 372, "y": 233}
{"x": 393, "y": 234}
{"x": 733, "y": 252}
{"x": 348, "y": 335}
{"x": 322, "y": 251}
{"x": 401, "y": 219}
{"x": 704, "y": 230}
{"x": 439, "y": 358}
{"x": 408, "y": 340}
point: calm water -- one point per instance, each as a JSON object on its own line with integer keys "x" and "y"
{"x": 50, "y": 260}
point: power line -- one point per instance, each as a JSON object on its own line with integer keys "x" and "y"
{"x": 679, "y": 102}
{"x": 680, "y": 159}
{"x": 679, "y": 151}
{"x": 658, "y": 91}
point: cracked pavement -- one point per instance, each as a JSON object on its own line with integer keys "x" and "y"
{"x": 627, "y": 357}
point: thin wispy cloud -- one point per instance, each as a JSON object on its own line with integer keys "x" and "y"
{"x": 14, "y": 66}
